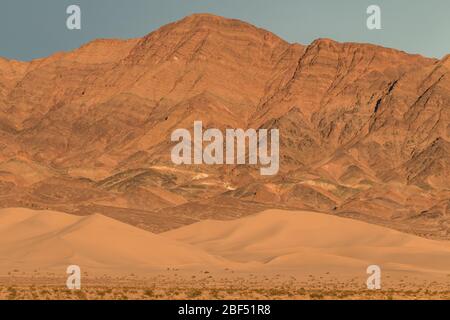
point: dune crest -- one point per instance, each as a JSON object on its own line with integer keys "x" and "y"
{"x": 48, "y": 239}
{"x": 310, "y": 241}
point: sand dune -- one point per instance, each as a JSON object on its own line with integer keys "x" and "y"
{"x": 308, "y": 241}
{"x": 273, "y": 241}
{"x": 46, "y": 239}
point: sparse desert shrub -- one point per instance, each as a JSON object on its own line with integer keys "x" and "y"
{"x": 316, "y": 296}
{"x": 194, "y": 293}
{"x": 149, "y": 293}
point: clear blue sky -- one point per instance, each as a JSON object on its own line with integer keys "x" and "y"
{"x": 32, "y": 29}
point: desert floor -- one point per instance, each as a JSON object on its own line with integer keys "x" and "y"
{"x": 206, "y": 285}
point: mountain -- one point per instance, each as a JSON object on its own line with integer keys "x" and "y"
{"x": 364, "y": 130}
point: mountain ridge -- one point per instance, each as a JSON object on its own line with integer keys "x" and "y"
{"x": 88, "y": 131}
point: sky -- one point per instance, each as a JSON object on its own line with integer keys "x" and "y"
{"x": 34, "y": 29}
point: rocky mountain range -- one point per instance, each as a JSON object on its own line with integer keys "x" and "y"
{"x": 364, "y": 130}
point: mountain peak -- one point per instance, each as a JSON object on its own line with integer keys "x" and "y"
{"x": 208, "y": 17}
{"x": 211, "y": 19}
{"x": 209, "y": 23}
{"x": 446, "y": 61}
{"x": 202, "y": 35}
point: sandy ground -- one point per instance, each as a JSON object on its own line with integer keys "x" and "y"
{"x": 173, "y": 284}
{"x": 272, "y": 255}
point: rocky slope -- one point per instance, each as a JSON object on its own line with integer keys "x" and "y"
{"x": 364, "y": 130}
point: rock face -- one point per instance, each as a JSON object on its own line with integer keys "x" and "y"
{"x": 364, "y": 130}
